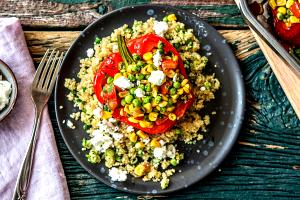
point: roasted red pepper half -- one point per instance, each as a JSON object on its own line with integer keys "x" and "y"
{"x": 291, "y": 33}
{"x": 109, "y": 67}
{"x": 295, "y": 8}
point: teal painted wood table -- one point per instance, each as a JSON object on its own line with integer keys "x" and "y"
{"x": 265, "y": 161}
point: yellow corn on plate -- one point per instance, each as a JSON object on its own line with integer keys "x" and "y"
{"x": 106, "y": 115}
{"x": 163, "y": 104}
{"x": 170, "y": 109}
{"x": 180, "y": 91}
{"x": 164, "y": 97}
{"x": 170, "y": 73}
{"x": 133, "y": 137}
{"x": 144, "y": 81}
{"x": 148, "y": 107}
{"x": 184, "y": 82}
{"x": 175, "y": 58}
{"x": 148, "y": 56}
{"x": 139, "y": 145}
{"x": 122, "y": 112}
{"x": 175, "y": 96}
{"x": 144, "y": 71}
{"x": 131, "y": 108}
{"x": 289, "y": 3}
{"x": 294, "y": 19}
{"x": 126, "y": 109}
{"x": 280, "y": 2}
{"x": 133, "y": 120}
{"x": 154, "y": 143}
{"x": 186, "y": 88}
{"x": 122, "y": 94}
{"x": 273, "y": 4}
{"x": 282, "y": 10}
{"x": 149, "y": 68}
{"x": 172, "y": 116}
{"x": 153, "y": 116}
{"x": 141, "y": 134}
{"x": 139, "y": 170}
{"x": 118, "y": 75}
{"x": 172, "y": 17}
{"x": 145, "y": 124}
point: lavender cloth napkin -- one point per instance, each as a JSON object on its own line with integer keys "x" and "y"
{"x": 48, "y": 179}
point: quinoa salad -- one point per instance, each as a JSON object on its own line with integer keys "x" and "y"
{"x": 138, "y": 93}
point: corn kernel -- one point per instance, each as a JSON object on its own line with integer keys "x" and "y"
{"x": 289, "y": 3}
{"x": 172, "y": 116}
{"x": 149, "y": 68}
{"x": 170, "y": 109}
{"x": 148, "y": 107}
{"x": 106, "y": 115}
{"x": 282, "y": 10}
{"x": 154, "y": 143}
{"x": 133, "y": 137}
{"x": 149, "y": 61}
{"x": 145, "y": 124}
{"x": 133, "y": 120}
{"x": 163, "y": 104}
{"x": 158, "y": 108}
{"x": 154, "y": 91}
{"x": 122, "y": 112}
{"x": 184, "y": 82}
{"x": 126, "y": 109}
{"x": 273, "y": 4}
{"x": 175, "y": 96}
{"x": 144, "y": 71}
{"x": 131, "y": 108}
{"x": 180, "y": 91}
{"x": 172, "y": 17}
{"x": 148, "y": 56}
{"x": 144, "y": 81}
{"x": 164, "y": 97}
{"x": 118, "y": 75}
{"x": 153, "y": 116}
{"x": 141, "y": 134}
{"x": 186, "y": 88}
{"x": 175, "y": 58}
{"x": 139, "y": 145}
{"x": 122, "y": 94}
{"x": 294, "y": 19}
{"x": 141, "y": 170}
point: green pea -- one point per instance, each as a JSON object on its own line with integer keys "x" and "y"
{"x": 129, "y": 98}
{"x": 147, "y": 99}
{"x": 174, "y": 162}
{"x": 157, "y": 99}
{"x": 160, "y": 45}
{"x": 178, "y": 131}
{"x": 176, "y": 85}
{"x": 140, "y": 63}
{"x": 165, "y": 19}
{"x": 109, "y": 153}
{"x": 177, "y": 28}
{"x": 97, "y": 40}
{"x": 123, "y": 102}
{"x": 131, "y": 91}
{"x": 141, "y": 86}
{"x": 207, "y": 84}
{"x": 131, "y": 77}
{"x": 172, "y": 91}
{"x": 110, "y": 80}
{"x": 136, "y": 102}
{"x": 140, "y": 77}
{"x": 163, "y": 109}
{"x": 280, "y": 16}
{"x": 148, "y": 87}
{"x": 170, "y": 102}
{"x": 136, "y": 57}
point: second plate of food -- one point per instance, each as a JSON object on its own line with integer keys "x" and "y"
{"x": 150, "y": 99}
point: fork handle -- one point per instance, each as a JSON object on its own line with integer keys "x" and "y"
{"x": 25, "y": 171}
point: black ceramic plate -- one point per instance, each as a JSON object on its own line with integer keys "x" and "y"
{"x": 201, "y": 158}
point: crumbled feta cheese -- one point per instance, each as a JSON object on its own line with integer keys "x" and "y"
{"x": 123, "y": 83}
{"x": 90, "y": 52}
{"x": 160, "y": 152}
{"x": 64, "y": 121}
{"x": 112, "y": 120}
{"x": 129, "y": 129}
{"x": 157, "y": 59}
{"x": 160, "y": 28}
{"x": 157, "y": 77}
{"x": 117, "y": 174}
{"x": 117, "y": 136}
{"x": 202, "y": 88}
{"x": 161, "y": 142}
{"x": 70, "y": 124}
{"x": 139, "y": 93}
{"x": 5, "y": 90}
{"x": 61, "y": 107}
{"x": 138, "y": 83}
{"x": 171, "y": 151}
{"x": 175, "y": 77}
{"x": 98, "y": 112}
{"x": 101, "y": 140}
{"x": 146, "y": 141}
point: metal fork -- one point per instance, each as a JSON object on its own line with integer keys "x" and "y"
{"x": 41, "y": 88}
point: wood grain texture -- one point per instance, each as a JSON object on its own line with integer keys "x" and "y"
{"x": 288, "y": 77}
{"x": 53, "y": 15}
{"x": 263, "y": 164}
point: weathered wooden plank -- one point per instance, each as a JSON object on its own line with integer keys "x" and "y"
{"x": 263, "y": 164}
{"x": 53, "y": 15}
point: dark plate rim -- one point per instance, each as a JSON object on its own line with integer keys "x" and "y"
{"x": 13, "y": 99}
{"x": 230, "y": 141}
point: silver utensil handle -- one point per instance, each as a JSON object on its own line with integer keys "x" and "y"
{"x": 25, "y": 170}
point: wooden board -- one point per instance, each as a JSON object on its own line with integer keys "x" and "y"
{"x": 51, "y": 15}
{"x": 264, "y": 163}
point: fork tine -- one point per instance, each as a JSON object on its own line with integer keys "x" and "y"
{"x": 39, "y": 69}
{"x": 51, "y": 69}
{"x": 45, "y": 70}
{"x": 57, "y": 69}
